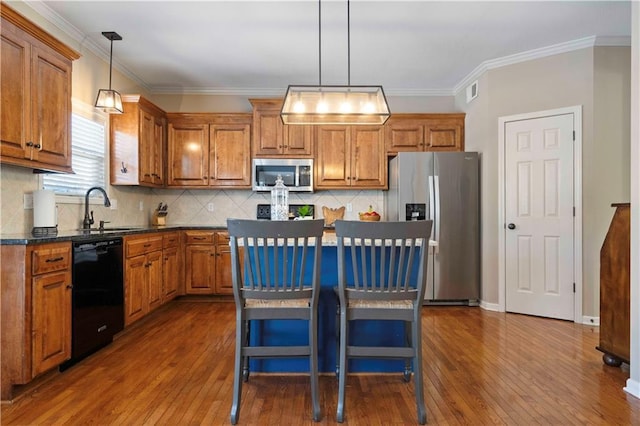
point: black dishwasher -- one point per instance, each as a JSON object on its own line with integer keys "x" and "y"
{"x": 97, "y": 295}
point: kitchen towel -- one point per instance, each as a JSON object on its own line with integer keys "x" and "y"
{"x": 44, "y": 209}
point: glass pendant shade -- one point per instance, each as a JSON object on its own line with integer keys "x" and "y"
{"x": 365, "y": 105}
{"x": 109, "y": 101}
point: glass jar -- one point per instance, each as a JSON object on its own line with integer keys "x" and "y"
{"x": 279, "y": 200}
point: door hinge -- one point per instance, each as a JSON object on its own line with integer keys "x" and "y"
{"x": 574, "y": 212}
{"x": 574, "y": 135}
{"x": 574, "y": 287}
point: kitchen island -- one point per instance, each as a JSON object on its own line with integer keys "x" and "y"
{"x": 292, "y": 332}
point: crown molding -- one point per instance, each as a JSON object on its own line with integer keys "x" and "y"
{"x": 528, "y": 55}
{"x": 41, "y": 8}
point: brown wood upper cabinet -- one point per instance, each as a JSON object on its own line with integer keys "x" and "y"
{"x": 209, "y": 150}
{"x": 271, "y": 138}
{"x": 350, "y": 156}
{"x": 138, "y": 143}
{"x": 35, "y": 87}
{"x": 424, "y": 132}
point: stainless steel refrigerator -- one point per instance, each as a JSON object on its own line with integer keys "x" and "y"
{"x": 443, "y": 187}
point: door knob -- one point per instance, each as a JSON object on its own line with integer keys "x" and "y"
{"x": 511, "y": 226}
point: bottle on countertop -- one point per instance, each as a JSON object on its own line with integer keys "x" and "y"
{"x": 279, "y": 200}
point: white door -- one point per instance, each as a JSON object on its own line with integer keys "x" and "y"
{"x": 539, "y": 214}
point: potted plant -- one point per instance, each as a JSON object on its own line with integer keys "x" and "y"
{"x": 304, "y": 212}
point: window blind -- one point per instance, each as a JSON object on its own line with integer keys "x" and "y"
{"x": 88, "y": 158}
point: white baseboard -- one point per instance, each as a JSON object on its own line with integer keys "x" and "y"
{"x": 633, "y": 388}
{"x": 595, "y": 321}
{"x": 490, "y": 306}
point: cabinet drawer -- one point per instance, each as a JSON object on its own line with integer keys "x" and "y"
{"x": 170, "y": 240}
{"x": 136, "y": 247}
{"x": 200, "y": 237}
{"x": 222, "y": 238}
{"x": 51, "y": 258}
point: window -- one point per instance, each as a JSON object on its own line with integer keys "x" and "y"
{"x": 88, "y": 148}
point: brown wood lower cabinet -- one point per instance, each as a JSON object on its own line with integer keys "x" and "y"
{"x": 207, "y": 263}
{"x": 200, "y": 264}
{"x": 224, "y": 284}
{"x": 171, "y": 266}
{"x": 143, "y": 276}
{"x": 36, "y": 311}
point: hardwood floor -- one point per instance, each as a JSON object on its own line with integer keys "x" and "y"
{"x": 175, "y": 367}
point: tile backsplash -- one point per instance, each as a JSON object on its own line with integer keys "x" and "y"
{"x": 135, "y": 205}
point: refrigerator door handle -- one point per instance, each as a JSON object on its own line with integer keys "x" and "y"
{"x": 436, "y": 207}
{"x": 431, "y": 200}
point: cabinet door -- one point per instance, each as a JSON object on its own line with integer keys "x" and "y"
{"x": 157, "y": 169}
{"x": 267, "y": 131}
{"x": 170, "y": 273}
{"x": 188, "y": 155}
{"x": 333, "y": 157}
{"x": 154, "y": 276}
{"x": 51, "y": 108}
{"x": 51, "y": 344}
{"x": 224, "y": 283}
{"x": 230, "y": 155}
{"x": 368, "y": 158}
{"x": 146, "y": 147}
{"x": 15, "y": 112}
{"x": 298, "y": 141}
{"x": 136, "y": 301}
{"x": 444, "y": 135}
{"x": 200, "y": 269}
{"x": 404, "y": 135}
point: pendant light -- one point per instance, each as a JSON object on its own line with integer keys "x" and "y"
{"x": 348, "y": 104}
{"x": 110, "y": 100}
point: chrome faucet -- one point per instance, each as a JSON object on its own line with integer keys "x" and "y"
{"x": 88, "y": 220}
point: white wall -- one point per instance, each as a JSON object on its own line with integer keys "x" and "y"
{"x": 633, "y": 383}
{"x": 584, "y": 77}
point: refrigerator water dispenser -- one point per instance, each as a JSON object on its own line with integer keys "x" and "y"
{"x": 416, "y": 211}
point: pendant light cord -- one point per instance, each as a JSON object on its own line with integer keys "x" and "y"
{"x": 110, "y": 63}
{"x": 319, "y": 43}
{"x": 348, "y": 44}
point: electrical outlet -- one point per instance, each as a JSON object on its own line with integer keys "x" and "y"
{"x": 349, "y": 207}
{"x": 28, "y": 201}
{"x": 114, "y": 204}
{"x": 210, "y": 207}
{"x": 141, "y": 205}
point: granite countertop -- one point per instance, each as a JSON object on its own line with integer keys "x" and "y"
{"x": 80, "y": 235}
{"x": 328, "y": 239}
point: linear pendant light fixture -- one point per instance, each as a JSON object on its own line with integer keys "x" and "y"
{"x": 348, "y": 104}
{"x": 110, "y": 100}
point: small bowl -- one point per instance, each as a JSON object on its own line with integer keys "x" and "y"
{"x": 369, "y": 218}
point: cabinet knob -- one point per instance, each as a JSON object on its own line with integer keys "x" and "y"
{"x": 69, "y": 286}
{"x": 511, "y": 226}
{"x": 29, "y": 144}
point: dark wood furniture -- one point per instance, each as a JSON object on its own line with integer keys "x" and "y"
{"x": 615, "y": 267}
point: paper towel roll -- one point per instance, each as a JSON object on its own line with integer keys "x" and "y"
{"x": 44, "y": 208}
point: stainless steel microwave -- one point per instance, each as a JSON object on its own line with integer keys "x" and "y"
{"x": 297, "y": 173}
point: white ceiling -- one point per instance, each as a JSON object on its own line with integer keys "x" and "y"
{"x": 260, "y": 47}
